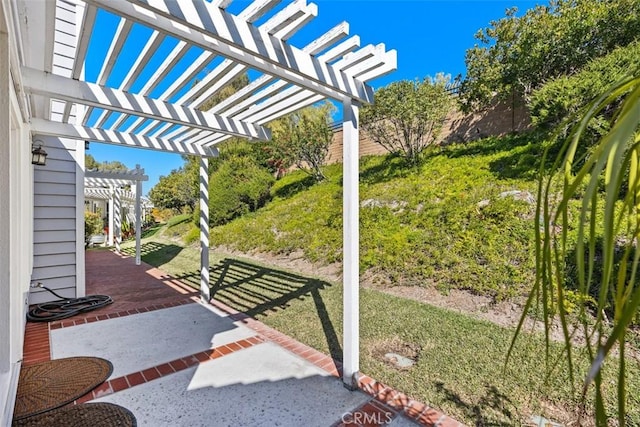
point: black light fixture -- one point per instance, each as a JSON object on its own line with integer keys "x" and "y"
{"x": 38, "y": 155}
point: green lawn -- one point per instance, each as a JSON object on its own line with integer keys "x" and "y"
{"x": 460, "y": 360}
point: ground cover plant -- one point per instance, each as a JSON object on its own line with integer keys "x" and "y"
{"x": 456, "y": 221}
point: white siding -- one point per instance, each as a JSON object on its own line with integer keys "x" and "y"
{"x": 55, "y": 211}
{"x": 16, "y": 222}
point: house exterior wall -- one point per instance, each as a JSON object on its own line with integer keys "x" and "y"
{"x": 16, "y": 222}
{"x": 56, "y": 217}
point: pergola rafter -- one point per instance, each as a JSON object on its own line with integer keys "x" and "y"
{"x": 210, "y": 28}
{"x": 163, "y": 111}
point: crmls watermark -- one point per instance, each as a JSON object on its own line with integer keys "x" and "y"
{"x": 376, "y": 418}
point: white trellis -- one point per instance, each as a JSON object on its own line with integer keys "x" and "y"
{"x": 163, "y": 112}
{"x": 112, "y": 187}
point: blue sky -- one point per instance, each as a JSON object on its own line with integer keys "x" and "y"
{"x": 430, "y": 37}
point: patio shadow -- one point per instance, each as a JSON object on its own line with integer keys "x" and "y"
{"x": 256, "y": 290}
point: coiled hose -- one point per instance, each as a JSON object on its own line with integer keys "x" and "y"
{"x": 66, "y": 307}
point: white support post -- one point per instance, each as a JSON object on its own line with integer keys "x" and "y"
{"x": 111, "y": 216}
{"x": 351, "y": 246}
{"x": 138, "y": 218}
{"x": 80, "y": 262}
{"x": 205, "y": 292}
{"x": 117, "y": 218}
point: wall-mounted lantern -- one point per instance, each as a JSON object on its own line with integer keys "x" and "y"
{"x": 38, "y": 155}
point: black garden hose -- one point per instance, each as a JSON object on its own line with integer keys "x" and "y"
{"x": 66, "y": 307}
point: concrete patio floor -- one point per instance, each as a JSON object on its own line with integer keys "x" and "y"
{"x": 180, "y": 362}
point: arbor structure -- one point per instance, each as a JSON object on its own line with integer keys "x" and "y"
{"x": 49, "y": 94}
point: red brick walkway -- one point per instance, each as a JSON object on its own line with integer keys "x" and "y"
{"x": 131, "y": 286}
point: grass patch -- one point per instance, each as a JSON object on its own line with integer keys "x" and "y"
{"x": 151, "y": 231}
{"x": 460, "y": 360}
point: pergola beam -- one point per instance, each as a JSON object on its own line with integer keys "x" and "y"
{"x": 65, "y": 130}
{"x": 93, "y": 177}
{"x": 104, "y": 194}
{"x": 94, "y": 95}
{"x": 213, "y": 29}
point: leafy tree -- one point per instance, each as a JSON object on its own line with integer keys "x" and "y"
{"x": 176, "y": 190}
{"x": 237, "y": 187}
{"x": 92, "y": 224}
{"x": 109, "y": 166}
{"x": 303, "y": 138}
{"x": 516, "y": 55}
{"x": 407, "y": 116}
{"x": 566, "y": 95}
{"x": 90, "y": 162}
{"x": 606, "y": 183}
{"x": 236, "y": 84}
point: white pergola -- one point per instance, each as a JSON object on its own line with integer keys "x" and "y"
{"x": 109, "y": 186}
{"x": 163, "y": 112}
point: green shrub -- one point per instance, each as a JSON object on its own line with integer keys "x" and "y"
{"x": 237, "y": 187}
{"x": 192, "y": 236}
{"x": 177, "y": 219}
{"x": 566, "y": 95}
{"x": 92, "y": 225}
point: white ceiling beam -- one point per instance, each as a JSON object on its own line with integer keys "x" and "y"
{"x": 120, "y": 36}
{"x": 88, "y": 21}
{"x": 218, "y": 31}
{"x": 81, "y": 41}
{"x": 296, "y": 13}
{"x": 292, "y": 99}
{"x": 245, "y": 97}
{"x": 97, "y": 96}
{"x": 66, "y": 130}
{"x": 257, "y": 10}
{"x": 368, "y": 71}
{"x": 330, "y": 38}
{"x": 277, "y": 112}
{"x": 292, "y": 107}
{"x": 222, "y": 4}
{"x": 169, "y": 62}
{"x": 290, "y": 13}
{"x": 122, "y": 32}
{"x": 193, "y": 69}
{"x": 50, "y": 29}
{"x": 288, "y": 31}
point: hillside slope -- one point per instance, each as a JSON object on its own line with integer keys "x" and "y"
{"x": 462, "y": 220}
